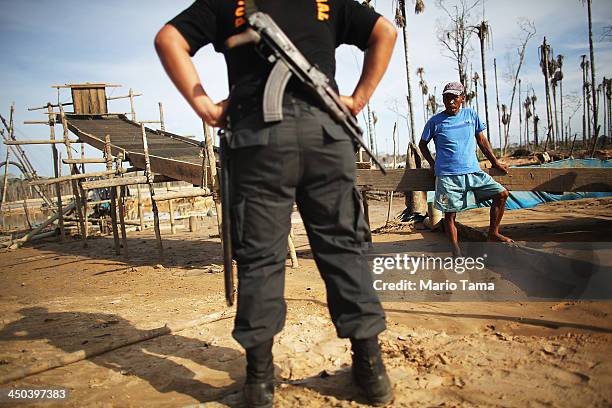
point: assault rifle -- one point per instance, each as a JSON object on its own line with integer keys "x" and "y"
{"x": 272, "y": 43}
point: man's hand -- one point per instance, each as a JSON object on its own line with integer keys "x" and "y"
{"x": 215, "y": 114}
{"x": 350, "y": 104}
{"x": 503, "y": 167}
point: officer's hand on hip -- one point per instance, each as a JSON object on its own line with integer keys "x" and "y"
{"x": 350, "y": 104}
{"x": 215, "y": 114}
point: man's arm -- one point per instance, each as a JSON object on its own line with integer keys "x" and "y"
{"x": 173, "y": 51}
{"x": 485, "y": 147}
{"x": 426, "y": 153}
{"x": 376, "y": 59}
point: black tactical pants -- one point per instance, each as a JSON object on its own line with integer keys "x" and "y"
{"x": 309, "y": 159}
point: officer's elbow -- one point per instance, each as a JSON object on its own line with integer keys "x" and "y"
{"x": 383, "y": 32}
{"x": 169, "y": 37}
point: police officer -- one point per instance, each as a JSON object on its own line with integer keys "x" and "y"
{"x": 307, "y": 158}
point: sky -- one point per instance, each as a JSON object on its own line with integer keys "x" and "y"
{"x": 44, "y": 43}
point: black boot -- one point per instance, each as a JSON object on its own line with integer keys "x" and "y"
{"x": 369, "y": 371}
{"x": 259, "y": 385}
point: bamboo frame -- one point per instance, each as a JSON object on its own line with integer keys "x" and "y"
{"x": 113, "y": 191}
{"x": 149, "y": 176}
{"x": 56, "y": 170}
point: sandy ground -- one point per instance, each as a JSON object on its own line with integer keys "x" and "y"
{"x": 57, "y": 299}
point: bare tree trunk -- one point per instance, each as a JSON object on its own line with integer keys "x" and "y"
{"x": 593, "y": 83}
{"x": 546, "y": 86}
{"x": 484, "y": 78}
{"x": 554, "y": 95}
{"x": 520, "y": 116}
{"x": 408, "y": 72}
{"x": 498, "y": 107}
{"x": 563, "y": 136}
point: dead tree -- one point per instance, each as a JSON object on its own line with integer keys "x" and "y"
{"x": 528, "y": 29}
{"x": 455, "y": 36}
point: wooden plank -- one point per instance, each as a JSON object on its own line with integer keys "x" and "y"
{"x": 518, "y": 179}
{"x": 183, "y": 193}
{"x": 45, "y": 141}
{"x": 123, "y": 181}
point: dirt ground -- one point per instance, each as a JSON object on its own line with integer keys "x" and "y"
{"x": 57, "y": 299}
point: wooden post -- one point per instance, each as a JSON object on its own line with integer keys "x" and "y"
{"x": 4, "y": 187}
{"x": 83, "y": 157}
{"x": 161, "y": 118}
{"x": 294, "y": 260}
{"x": 394, "y": 166}
{"x": 171, "y": 211}
{"x": 212, "y": 163}
{"x": 366, "y": 210}
{"x": 26, "y": 213}
{"x": 76, "y": 193}
{"x": 58, "y": 189}
{"x": 133, "y": 112}
{"x": 149, "y": 176}
{"x": 113, "y": 194}
{"x": 140, "y": 210}
{"x": 121, "y": 189}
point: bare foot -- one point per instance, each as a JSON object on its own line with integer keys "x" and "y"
{"x": 497, "y": 237}
{"x": 456, "y": 251}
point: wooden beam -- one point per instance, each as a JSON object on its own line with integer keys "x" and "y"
{"x": 112, "y": 98}
{"x": 47, "y": 141}
{"x": 123, "y": 181}
{"x": 518, "y": 179}
{"x": 82, "y": 161}
{"x": 185, "y": 193}
{"x": 70, "y": 178}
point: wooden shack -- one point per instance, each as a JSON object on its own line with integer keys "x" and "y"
{"x": 88, "y": 98}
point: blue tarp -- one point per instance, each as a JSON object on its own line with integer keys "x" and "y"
{"x": 529, "y": 199}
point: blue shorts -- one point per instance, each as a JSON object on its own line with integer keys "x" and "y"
{"x": 452, "y": 191}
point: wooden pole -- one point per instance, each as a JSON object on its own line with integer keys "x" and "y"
{"x": 35, "y": 142}
{"x": 58, "y": 190}
{"x": 96, "y": 350}
{"x": 62, "y": 179}
{"x": 498, "y": 106}
{"x": 140, "y": 210}
{"x": 394, "y": 166}
{"x": 76, "y": 193}
{"x": 212, "y": 162}
{"x": 83, "y": 161}
{"x": 26, "y": 213}
{"x": 161, "y": 117}
{"x": 83, "y": 158}
{"x": 294, "y": 260}
{"x": 132, "y": 111}
{"x": 149, "y": 176}
{"x": 4, "y": 187}
{"x": 366, "y": 211}
{"x": 171, "y": 211}
{"x": 113, "y": 194}
{"x": 27, "y": 237}
{"x": 121, "y": 189}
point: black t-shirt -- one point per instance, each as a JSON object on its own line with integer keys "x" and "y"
{"x": 316, "y": 27}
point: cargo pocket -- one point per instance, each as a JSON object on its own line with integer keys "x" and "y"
{"x": 361, "y": 227}
{"x": 237, "y": 215}
{"x": 332, "y": 130}
{"x": 250, "y": 131}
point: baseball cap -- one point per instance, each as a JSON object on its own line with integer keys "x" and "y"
{"x": 454, "y": 88}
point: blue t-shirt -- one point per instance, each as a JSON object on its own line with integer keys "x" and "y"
{"x": 455, "y": 140}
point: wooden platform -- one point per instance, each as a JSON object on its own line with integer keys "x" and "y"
{"x": 518, "y": 179}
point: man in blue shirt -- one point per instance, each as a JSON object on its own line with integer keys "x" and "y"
{"x": 456, "y": 131}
